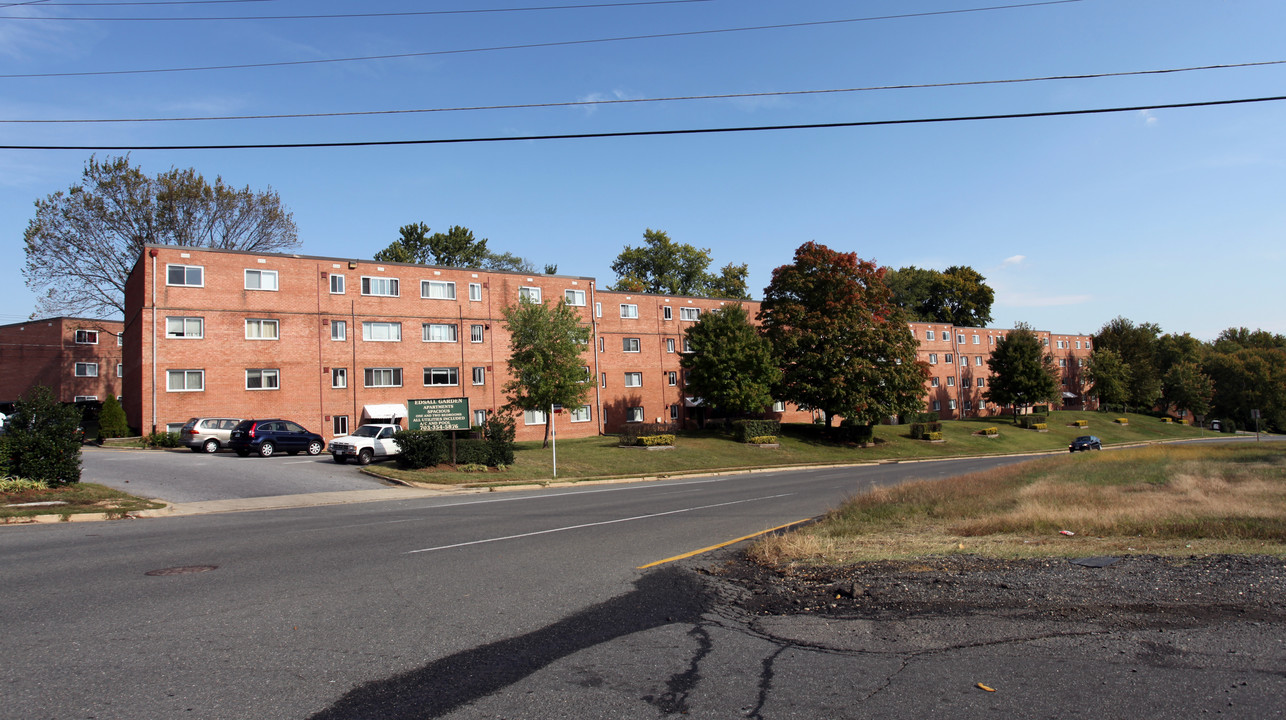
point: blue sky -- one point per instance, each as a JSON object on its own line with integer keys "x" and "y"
{"x": 1172, "y": 216}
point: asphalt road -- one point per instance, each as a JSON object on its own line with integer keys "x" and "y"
{"x": 528, "y": 605}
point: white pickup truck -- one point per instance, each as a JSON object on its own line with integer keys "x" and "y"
{"x": 366, "y": 443}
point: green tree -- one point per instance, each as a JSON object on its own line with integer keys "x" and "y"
{"x": 958, "y": 295}
{"x": 111, "y": 419}
{"x": 1173, "y": 349}
{"x": 665, "y": 267}
{"x": 1022, "y": 373}
{"x": 42, "y": 441}
{"x": 1186, "y": 388}
{"x": 546, "y": 358}
{"x": 82, "y": 243}
{"x": 1109, "y": 377}
{"x": 843, "y": 346}
{"x": 457, "y": 247}
{"x": 912, "y": 287}
{"x": 1137, "y": 346}
{"x": 731, "y": 366}
{"x": 1246, "y": 379}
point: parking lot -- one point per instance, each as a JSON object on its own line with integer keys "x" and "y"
{"x": 181, "y": 476}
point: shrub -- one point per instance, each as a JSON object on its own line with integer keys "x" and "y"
{"x": 1227, "y": 425}
{"x": 41, "y": 439}
{"x": 472, "y": 467}
{"x": 17, "y": 485}
{"x": 933, "y": 436}
{"x": 743, "y": 430}
{"x": 655, "y": 440}
{"x": 631, "y": 433}
{"x": 991, "y": 431}
{"x": 1030, "y": 421}
{"x": 420, "y": 449}
{"x": 924, "y": 417}
{"x": 1122, "y": 421}
{"x": 763, "y": 440}
{"x": 920, "y": 429}
{"x": 1040, "y": 409}
{"x": 855, "y": 433}
{"x": 471, "y": 452}
{"x": 161, "y": 440}
{"x": 500, "y": 439}
{"x": 1166, "y": 420}
{"x": 111, "y": 419}
{"x": 1082, "y": 423}
{"x": 1040, "y": 426}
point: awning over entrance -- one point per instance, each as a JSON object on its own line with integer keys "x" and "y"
{"x": 693, "y": 402}
{"x": 1069, "y": 396}
{"x": 381, "y": 412}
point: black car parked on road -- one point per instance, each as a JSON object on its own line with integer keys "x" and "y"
{"x": 1085, "y": 442}
{"x": 268, "y": 436}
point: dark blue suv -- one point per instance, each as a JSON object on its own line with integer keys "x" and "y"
{"x": 268, "y": 436}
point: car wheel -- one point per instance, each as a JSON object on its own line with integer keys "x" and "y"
{"x": 266, "y": 449}
{"x": 315, "y": 447}
{"x": 340, "y": 459}
{"x": 210, "y": 446}
{"x": 364, "y": 457}
{"x": 243, "y": 453}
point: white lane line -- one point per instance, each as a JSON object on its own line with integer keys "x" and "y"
{"x": 596, "y": 524}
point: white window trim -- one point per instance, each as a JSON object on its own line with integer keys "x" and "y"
{"x": 449, "y": 370}
{"x": 336, "y": 421}
{"x": 276, "y": 280}
{"x": 89, "y": 366}
{"x": 184, "y": 319}
{"x": 585, "y": 410}
{"x": 476, "y": 374}
{"x": 368, "y": 325}
{"x": 636, "y": 376}
{"x": 340, "y": 375}
{"x": 262, "y": 323}
{"x": 627, "y": 309}
{"x": 393, "y": 372}
{"x": 426, "y": 287}
{"x": 333, "y": 277}
{"x": 475, "y": 292}
{"x": 629, "y": 415}
{"x": 264, "y": 373}
{"x": 638, "y": 345}
{"x": 342, "y": 327}
{"x": 531, "y": 293}
{"x": 185, "y": 268}
{"x": 200, "y": 374}
{"x": 120, "y": 370}
{"x": 569, "y": 294}
{"x": 667, "y": 312}
{"x": 482, "y": 333}
{"x": 87, "y": 333}
{"x": 392, "y": 282}
{"x": 695, "y": 314}
{"x": 529, "y": 417}
{"x": 669, "y": 345}
{"x": 598, "y": 309}
{"x": 85, "y": 398}
{"x": 427, "y": 329}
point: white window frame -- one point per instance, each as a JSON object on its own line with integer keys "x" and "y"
{"x": 575, "y": 298}
{"x": 339, "y": 425}
{"x": 85, "y": 398}
{"x": 86, "y": 370}
{"x": 336, "y": 285}
{"x": 439, "y": 333}
{"x": 376, "y": 286}
{"x": 635, "y": 377}
{"x": 933, "y": 358}
{"x": 185, "y": 375}
{"x": 977, "y": 361}
{"x": 937, "y": 405}
{"x": 598, "y": 309}
{"x": 531, "y": 294}
{"x": 689, "y": 314}
{"x": 933, "y": 382}
{"x": 951, "y": 381}
{"x": 581, "y": 414}
{"x": 634, "y": 415}
{"x": 687, "y": 345}
{"x": 338, "y": 378}
{"x": 445, "y": 290}
{"x": 480, "y": 375}
{"x": 269, "y": 379}
{"x": 951, "y": 403}
{"x": 479, "y": 417}
{"x": 629, "y": 310}
{"x": 475, "y": 292}
{"x": 949, "y": 359}
{"x": 629, "y": 342}
{"x": 672, "y": 378}
{"x": 477, "y": 333}
{"x": 451, "y": 374}
{"x": 977, "y": 340}
{"x": 339, "y": 330}
{"x": 669, "y": 345}
{"x": 368, "y": 326}
{"x": 674, "y": 412}
{"x": 82, "y": 337}
{"x": 779, "y": 406}
{"x": 667, "y": 312}
{"x": 262, "y": 323}
{"x": 928, "y": 334}
{"x": 200, "y": 270}
{"x": 960, "y": 339}
{"x": 533, "y": 417}
{"x": 263, "y": 276}
{"x": 120, "y": 370}
{"x": 982, "y": 382}
{"x": 372, "y": 376}
{"x": 184, "y": 321}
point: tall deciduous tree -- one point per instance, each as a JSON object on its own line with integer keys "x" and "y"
{"x": 1186, "y": 388}
{"x": 1248, "y": 378}
{"x": 843, "y": 346}
{"x": 457, "y": 247}
{"x": 82, "y": 243}
{"x": 665, "y": 267}
{"x": 731, "y": 366}
{"x": 1022, "y": 373}
{"x": 958, "y": 295}
{"x": 1137, "y": 346}
{"x": 546, "y": 358}
{"x": 1109, "y": 377}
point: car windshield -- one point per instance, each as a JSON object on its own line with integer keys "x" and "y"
{"x": 367, "y": 431}
{"x": 1085, "y": 438}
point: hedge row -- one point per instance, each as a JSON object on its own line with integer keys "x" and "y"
{"x": 920, "y": 430}
{"x": 744, "y": 430}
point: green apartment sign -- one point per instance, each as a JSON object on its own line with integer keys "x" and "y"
{"x": 438, "y": 414}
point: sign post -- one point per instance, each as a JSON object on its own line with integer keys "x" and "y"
{"x": 553, "y": 434}
{"x": 439, "y": 415}
{"x": 1255, "y": 415}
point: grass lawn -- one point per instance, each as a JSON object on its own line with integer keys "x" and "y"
{"x": 77, "y": 498}
{"x": 1184, "y": 500}
{"x": 599, "y": 457}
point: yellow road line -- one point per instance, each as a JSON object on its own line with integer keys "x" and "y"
{"x": 720, "y": 545}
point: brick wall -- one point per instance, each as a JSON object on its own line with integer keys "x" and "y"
{"x": 47, "y": 352}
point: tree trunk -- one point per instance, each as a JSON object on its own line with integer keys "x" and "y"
{"x": 549, "y": 419}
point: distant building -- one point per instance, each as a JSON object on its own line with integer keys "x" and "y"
{"x": 77, "y": 358}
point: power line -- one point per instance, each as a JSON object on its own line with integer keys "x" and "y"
{"x": 335, "y": 16}
{"x": 624, "y": 101}
{"x": 644, "y": 133}
{"x": 528, "y": 46}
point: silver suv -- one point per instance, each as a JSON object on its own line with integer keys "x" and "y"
{"x": 207, "y": 434}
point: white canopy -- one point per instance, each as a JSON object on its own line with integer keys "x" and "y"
{"x": 693, "y": 402}
{"x": 384, "y": 411}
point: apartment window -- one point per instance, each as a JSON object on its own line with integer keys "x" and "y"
{"x": 991, "y": 339}
{"x": 982, "y": 382}
{"x": 968, "y": 406}
{"x": 433, "y": 332}
{"x": 948, "y": 358}
{"x": 383, "y": 377}
{"x": 977, "y": 361}
{"x": 977, "y": 340}
{"x": 634, "y": 414}
{"x": 85, "y": 398}
{"x": 630, "y": 345}
{"x": 589, "y": 374}
{"x": 600, "y": 345}
{"x": 185, "y": 275}
{"x": 476, "y": 333}
{"x": 960, "y": 338}
{"x": 184, "y": 380}
{"x": 261, "y": 329}
{"x": 634, "y": 379}
{"x": 338, "y": 329}
{"x": 933, "y": 358}
{"x": 336, "y": 284}
{"x": 687, "y": 378}
{"x": 86, "y": 337}
{"x": 479, "y": 417}
{"x": 437, "y": 290}
{"x": 779, "y": 406}
{"x": 480, "y": 376}
{"x": 380, "y": 286}
{"x": 669, "y": 345}
{"x": 1078, "y": 344}
{"x": 1080, "y": 362}
{"x": 530, "y": 294}
{"x": 668, "y": 312}
{"x": 262, "y": 380}
{"x": 120, "y": 369}
{"x": 951, "y": 404}
{"x": 1062, "y": 362}
{"x": 672, "y": 378}
{"x": 339, "y": 424}
{"x": 674, "y": 412}
{"x": 580, "y": 414}
{"x": 441, "y": 376}
{"x": 1087, "y": 344}
{"x": 933, "y": 382}
{"x": 692, "y": 314}
{"x": 574, "y": 297}
{"x": 928, "y": 334}
{"x": 951, "y": 381}
{"x": 475, "y": 292}
{"x": 382, "y": 331}
{"x": 687, "y": 345}
{"x": 339, "y": 377}
{"x": 533, "y": 417}
{"x": 261, "y": 279}
{"x": 120, "y": 339}
{"x": 937, "y": 405}
{"x": 1046, "y": 341}
{"x": 629, "y": 311}
{"x": 964, "y": 361}
{"x": 1060, "y": 344}
{"x": 185, "y": 327}
{"x": 86, "y": 369}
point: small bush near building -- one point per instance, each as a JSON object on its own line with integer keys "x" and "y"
{"x": 921, "y": 429}
{"x": 111, "y": 420}
{"x": 1081, "y": 423}
{"x": 655, "y": 440}
{"x": 631, "y": 433}
{"x": 1227, "y": 425}
{"x": 500, "y": 430}
{"x": 1029, "y": 422}
{"x": 161, "y": 440}
{"x": 933, "y": 436}
{"x": 1122, "y": 421}
{"x": 420, "y": 449}
{"x": 743, "y": 430}
{"x": 859, "y": 433}
{"x": 42, "y": 439}
{"x": 763, "y": 440}
{"x": 1040, "y": 409}
{"x": 471, "y": 452}
{"x": 991, "y": 431}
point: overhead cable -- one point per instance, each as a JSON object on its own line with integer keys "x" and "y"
{"x": 476, "y": 11}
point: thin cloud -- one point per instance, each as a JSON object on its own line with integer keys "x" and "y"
{"x": 1014, "y": 260}
{"x": 1148, "y": 118}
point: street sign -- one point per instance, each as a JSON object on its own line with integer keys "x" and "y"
{"x": 438, "y": 414}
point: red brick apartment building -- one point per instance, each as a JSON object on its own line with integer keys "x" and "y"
{"x": 77, "y": 358}
{"x": 332, "y": 343}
